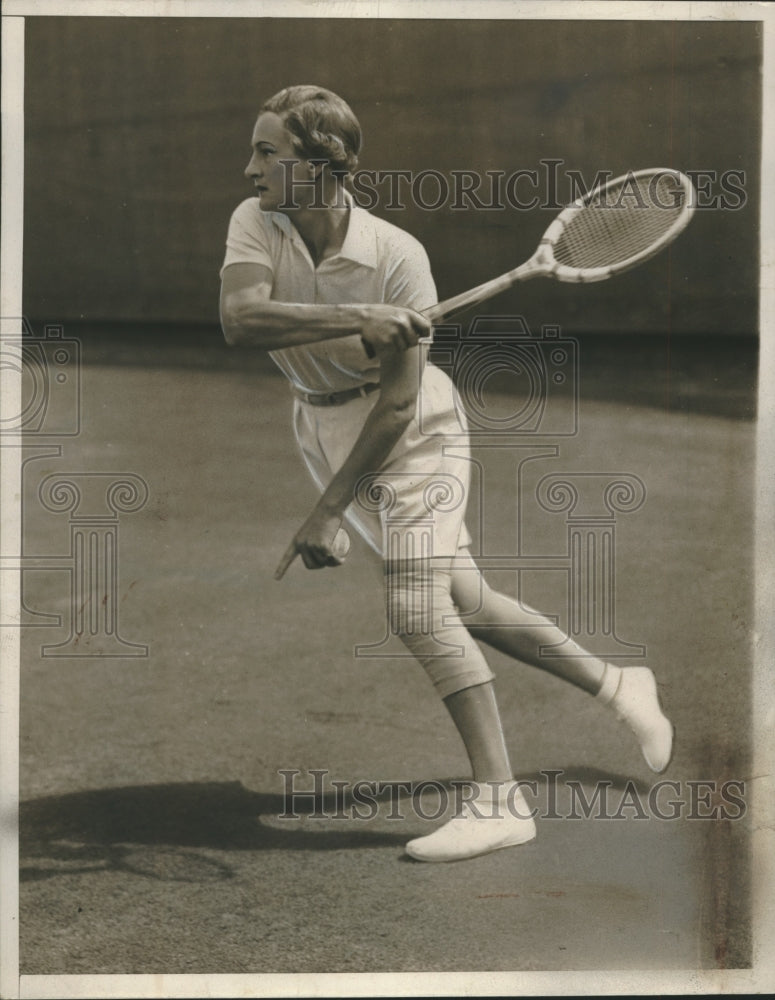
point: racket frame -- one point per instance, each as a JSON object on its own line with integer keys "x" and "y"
{"x": 543, "y": 264}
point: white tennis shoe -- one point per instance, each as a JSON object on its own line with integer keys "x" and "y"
{"x": 479, "y": 829}
{"x": 636, "y": 702}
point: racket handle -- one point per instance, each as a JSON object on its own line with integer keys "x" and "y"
{"x": 451, "y": 307}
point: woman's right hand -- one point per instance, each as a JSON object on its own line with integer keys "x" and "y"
{"x": 388, "y": 329}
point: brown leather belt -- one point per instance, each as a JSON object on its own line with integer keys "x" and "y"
{"x": 334, "y": 398}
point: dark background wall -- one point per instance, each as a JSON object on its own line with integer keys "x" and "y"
{"x": 137, "y": 132}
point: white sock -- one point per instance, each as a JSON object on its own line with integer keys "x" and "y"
{"x": 610, "y": 684}
{"x": 492, "y": 790}
{"x": 498, "y": 799}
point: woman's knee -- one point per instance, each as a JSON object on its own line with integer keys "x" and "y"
{"x": 423, "y": 615}
{"x": 469, "y": 591}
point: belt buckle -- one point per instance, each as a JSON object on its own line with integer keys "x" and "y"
{"x": 316, "y": 398}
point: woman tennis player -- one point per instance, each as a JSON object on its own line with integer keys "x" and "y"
{"x": 335, "y": 295}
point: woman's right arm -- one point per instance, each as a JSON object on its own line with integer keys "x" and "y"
{"x": 249, "y": 317}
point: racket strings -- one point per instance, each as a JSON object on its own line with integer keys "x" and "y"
{"x": 621, "y": 222}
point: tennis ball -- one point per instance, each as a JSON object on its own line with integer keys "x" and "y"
{"x": 340, "y": 546}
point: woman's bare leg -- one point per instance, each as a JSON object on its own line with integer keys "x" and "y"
{"x": 518, "y": 631}
{"x": 474, "y": 711}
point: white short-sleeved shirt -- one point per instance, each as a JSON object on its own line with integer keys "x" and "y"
{"x": 377, "y": 263}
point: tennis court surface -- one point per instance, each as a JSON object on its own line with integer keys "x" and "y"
{"x": 151, "y": 829}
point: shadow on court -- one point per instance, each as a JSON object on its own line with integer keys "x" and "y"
{"x": 152, "y": 837}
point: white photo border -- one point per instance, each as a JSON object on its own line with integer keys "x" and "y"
{"x": 761, "y": 978}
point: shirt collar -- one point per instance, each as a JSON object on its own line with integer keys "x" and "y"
{"x": 360, "y": 242}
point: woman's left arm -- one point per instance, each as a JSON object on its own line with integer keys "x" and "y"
{"x": 400, "y": 376}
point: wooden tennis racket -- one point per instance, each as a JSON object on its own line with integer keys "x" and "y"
{"x": 612, "y": 228}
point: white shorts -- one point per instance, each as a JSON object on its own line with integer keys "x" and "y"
{"x": 415, "y": 505}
